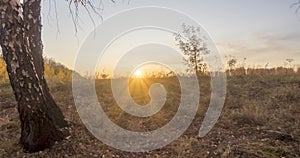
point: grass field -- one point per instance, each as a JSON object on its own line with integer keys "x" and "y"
{"x": 261, "y": 118}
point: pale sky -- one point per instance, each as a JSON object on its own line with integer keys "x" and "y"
{"x": 264, "y": 32}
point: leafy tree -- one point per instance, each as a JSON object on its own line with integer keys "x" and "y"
{"x": 20, "y": 28}
{"x": 289, "y": 62}
{"x": 193, "y": 45}
{"x": 232, "y": 61}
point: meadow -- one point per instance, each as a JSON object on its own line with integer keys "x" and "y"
{"x": 260, "y": 118}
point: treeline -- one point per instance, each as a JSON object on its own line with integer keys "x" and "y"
{"x": 238, "y": 69}
{"x": 53, "y": 71}
{"x": 56, "y": 71}
{"x": 279, "y": 71}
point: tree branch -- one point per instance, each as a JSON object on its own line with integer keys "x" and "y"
{"x": 297, "y": 5}
{"x": 89, "y": 7}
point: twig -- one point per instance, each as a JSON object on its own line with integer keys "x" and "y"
{"x": 56, "y": 17}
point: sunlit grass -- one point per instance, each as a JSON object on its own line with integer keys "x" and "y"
{"x": 139, "y": 90}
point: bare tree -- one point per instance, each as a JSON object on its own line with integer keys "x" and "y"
{"x": 20, "y": 28}
{"x": 193, "y": 45}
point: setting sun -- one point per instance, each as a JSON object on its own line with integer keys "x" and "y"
{"x": 138, "y": 73}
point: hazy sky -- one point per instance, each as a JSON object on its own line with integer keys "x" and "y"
{"x": 264, "y": 32}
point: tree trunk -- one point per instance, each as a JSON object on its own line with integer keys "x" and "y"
{"x": 22, "y": 48}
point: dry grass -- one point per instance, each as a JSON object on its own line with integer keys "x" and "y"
{"x": 261, "y": 118}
